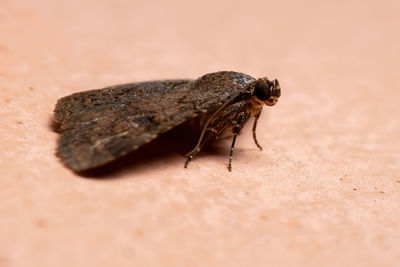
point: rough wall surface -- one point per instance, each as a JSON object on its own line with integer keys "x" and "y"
{"x": 325, "y": 191}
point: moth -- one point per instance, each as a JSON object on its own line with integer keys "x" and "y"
{"x": 99, "y": 126}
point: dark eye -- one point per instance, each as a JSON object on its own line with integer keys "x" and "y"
{"x": 262, "y": 91}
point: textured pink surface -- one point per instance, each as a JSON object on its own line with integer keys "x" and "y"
{"x": 324, "y": 192}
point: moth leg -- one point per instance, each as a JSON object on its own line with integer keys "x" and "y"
{"x": 254, "y": 129}
{"x": 237, "y": 127}
{"x": 189, "y": 156}
{"x": 231, "y": 152}
{"x": 220, "y": 120}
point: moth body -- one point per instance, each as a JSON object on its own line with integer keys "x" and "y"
{"x": 99, "y": 126}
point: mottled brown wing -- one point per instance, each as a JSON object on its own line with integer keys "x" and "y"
{"x": 99, "y": 126}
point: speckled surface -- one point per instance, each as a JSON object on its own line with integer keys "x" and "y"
{"x": 324, "y": 192}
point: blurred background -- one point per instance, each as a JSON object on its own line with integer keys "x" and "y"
{"x": 191, "y": 38}
{"x": 325, "y": 190}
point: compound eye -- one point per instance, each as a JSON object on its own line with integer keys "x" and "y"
{"x": 262, "y": 91}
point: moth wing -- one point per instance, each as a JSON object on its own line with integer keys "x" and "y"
{"x": 99, "y": 126}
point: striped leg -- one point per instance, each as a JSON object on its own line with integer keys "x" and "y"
{"x": 238, "y": 125}
{"x": 254, "y": 129}
{"x": 231, "y": 152}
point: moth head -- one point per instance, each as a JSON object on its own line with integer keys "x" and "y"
{"x": 267, "y": 91}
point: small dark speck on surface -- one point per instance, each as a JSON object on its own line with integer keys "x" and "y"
{"x": 40, "y": 223}
{"x": 3, "y": 47}
{"x": 20, "y": 123}
{"x": 31, "y": 88}
{"x": 354, "y": 189}
{"x": 398, "y": 181}
{"x": 3, "y": 261}
{"x": 382, "y": 192}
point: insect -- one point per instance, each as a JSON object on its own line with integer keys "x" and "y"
{"x": 99, "y": 126}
